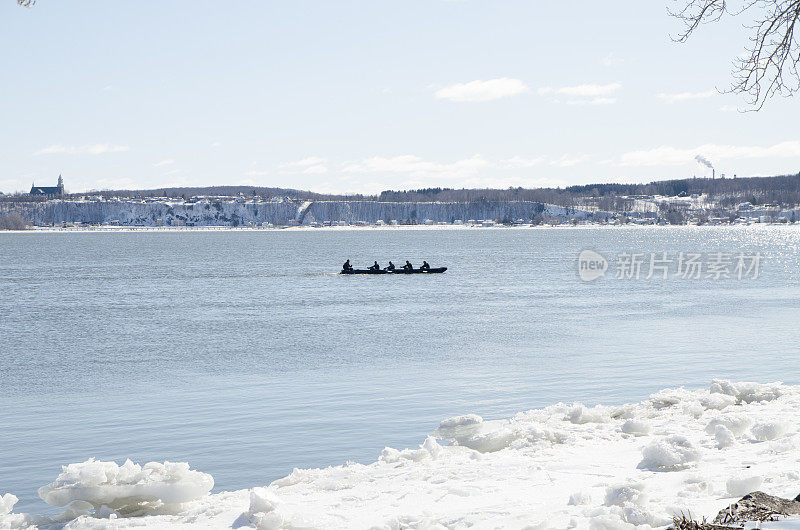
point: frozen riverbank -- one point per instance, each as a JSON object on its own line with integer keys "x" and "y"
{"x": 563, "y": 466}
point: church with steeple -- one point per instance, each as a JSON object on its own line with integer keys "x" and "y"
{"x": 51, "y": 192}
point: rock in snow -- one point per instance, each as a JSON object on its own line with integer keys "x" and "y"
{"x": 564, "y": 466}
{"x": 757, "y": 506}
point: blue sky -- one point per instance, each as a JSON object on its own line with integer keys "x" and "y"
{"x": 362, "y": 96}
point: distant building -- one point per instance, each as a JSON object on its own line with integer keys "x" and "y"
{"x": 49, "y": 191}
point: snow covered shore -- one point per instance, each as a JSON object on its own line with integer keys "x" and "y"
{"x": 564, "y": 466}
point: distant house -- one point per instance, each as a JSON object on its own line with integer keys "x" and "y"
{"x": 49, "y": 191}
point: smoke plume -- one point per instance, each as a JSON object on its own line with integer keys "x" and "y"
{"x": 703, "y": 160}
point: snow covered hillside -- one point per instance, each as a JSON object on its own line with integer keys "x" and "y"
{"x": 241, "y": 212}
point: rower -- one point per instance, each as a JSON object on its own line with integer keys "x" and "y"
{"x": 425, "y": 266}
{"x": 390, "y": 267}
{"x": 347, "y": 266}
{"x": 375, "y": 267}
{"x": 408, "y": 266}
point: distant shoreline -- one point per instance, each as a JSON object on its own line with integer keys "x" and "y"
{"x": 138, "y": 229}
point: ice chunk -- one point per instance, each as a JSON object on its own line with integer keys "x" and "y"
{"x": 459, "y": 428}
{"x": 580, "y": 414}
{"x": 724, "y": 437}
{"x": 621, "y": 495}
{"x": 128, "y": 488}
{"x": 717, "y": 401}
{"x": 747, "y": 392}
{"x": 7, "y": 503}
{"x": 769, "y": 430}
{"x": 667, "y": 398}
{"x": 669, "y": 453}
{"x": 74, "y": 510}
{"x": 742, "y": 485}
{"x": 492, "y": 441}
{"x": 636, "y": 427}
{"x": 735, "y": 422}
{"x": 263, "y": 511}
{"x": 429, "y": 449}
{"x": 580, "y": 498}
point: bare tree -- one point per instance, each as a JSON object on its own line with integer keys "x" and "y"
{"x": 770, "y": 64}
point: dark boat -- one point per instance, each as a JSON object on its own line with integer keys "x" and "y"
{"x": 396, "y": 271}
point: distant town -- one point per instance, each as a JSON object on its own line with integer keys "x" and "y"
{"x": 677, "y": 202}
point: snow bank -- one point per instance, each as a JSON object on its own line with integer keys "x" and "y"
{"x": 748, "y": 392}
{"x": 563, "y": 466}
{"x": 636, "y": 427}
{"x": 669, "y": 453}
{"x": 769, "y": 430}
{"x": 263, "y": 511}
{"x": 129, "y": 488}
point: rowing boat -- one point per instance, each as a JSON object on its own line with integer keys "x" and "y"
{"x": 437, "y": 270}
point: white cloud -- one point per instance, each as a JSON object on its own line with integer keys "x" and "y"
{"x": 587, "y": 91}
{"x": 593, "y": 101}
{"x": 672, "y": 156}
{"x": 305, "y": 162}
{"x": 312, "y": 165}
{"x": 215, "y": 144}
{"x": 518, "y": 162}
{"x": 568, "y": 161}
{"x": 164, "y": 163}
{"x": 417, "y": 167}
{"x": 92, "y": 149}
{"x": 729, "y": 108}
{"x": 482, "y": 90}
{"x": 315, "y": 170}
{"x": 256, "y": 173}
{"x": 510, "y": 182}
{"x": 685, "y": 96}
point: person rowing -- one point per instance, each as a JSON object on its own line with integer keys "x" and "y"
{"x": 425, "y": 266}
{"x": 390, "y": 267}
{"x": 347, "y": 266}
{"x": 408, "y": 266}
{"x": 375, "y": 267}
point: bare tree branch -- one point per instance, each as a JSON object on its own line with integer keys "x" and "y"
{"x": 770, "y": 63}
{"x": 26, "y": 3}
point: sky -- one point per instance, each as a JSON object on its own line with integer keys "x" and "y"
{"x": 364, "y": 96}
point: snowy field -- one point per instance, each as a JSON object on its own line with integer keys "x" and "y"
{"x": 564, "y": 466}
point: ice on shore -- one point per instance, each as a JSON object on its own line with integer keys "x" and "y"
{"x": 564, "y": 466}
{"x": 126, "y": 489}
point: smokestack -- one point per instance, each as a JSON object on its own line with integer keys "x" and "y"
{"x": 704, "y": 161}
{"x": 713, "y": 173}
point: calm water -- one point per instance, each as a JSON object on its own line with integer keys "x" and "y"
{"x": 244, "y": 353}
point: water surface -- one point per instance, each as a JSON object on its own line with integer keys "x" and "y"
{"x": 245, "y": 354}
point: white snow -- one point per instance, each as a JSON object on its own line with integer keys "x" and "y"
{"x": 669, "y": 453}
{"x": 769, "y": 430}
{"x": 563, "y": 466}
{"x": 724, "y": 436}
{"x": 636, "y": 427}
